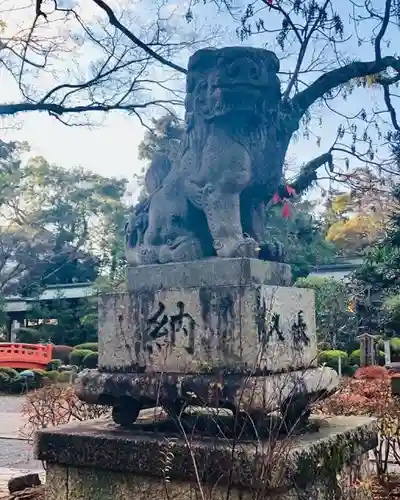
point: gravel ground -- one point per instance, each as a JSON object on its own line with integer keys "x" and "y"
{"x": 17, "y": 455}
{"x": 11, "y": 404}
{"x": 14, "y": 453}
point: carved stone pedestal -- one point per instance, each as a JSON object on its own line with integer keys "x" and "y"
{"x": 98, "y": 460}
{"x": 219, "y": 332}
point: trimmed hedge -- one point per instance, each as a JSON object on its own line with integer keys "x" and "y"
{"x": 54, "y": 365}
{"x": 4, "y": 382}
{"x": 9, "y": 371}
{"x": 13, "y": 382}
{"x": 78, "y": 355}
{"x": 40, "y": 372}
{"x": 29, "y": 336}
{"x": 66, "y": 377}
{"x": 331, "y": 356}
{"x": 395, "y": 345}
{"x": 52, "y": 375}
{"x": 355, "y": 357}
{"x": 91, "y": 360}
{"x": 62, "y": 352}
{"x": 91, "y": 346}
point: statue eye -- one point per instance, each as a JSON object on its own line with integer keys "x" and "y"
{"x": 234, "y": 70}
{"x": 253, "y": 72}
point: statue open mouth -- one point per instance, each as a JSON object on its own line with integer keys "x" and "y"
{"x": 235, "y": 99}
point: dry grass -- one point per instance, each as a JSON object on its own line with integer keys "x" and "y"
{"x": 388, "y": 490}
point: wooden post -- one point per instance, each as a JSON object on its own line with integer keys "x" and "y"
{"x": 367, "y": 349}
{"x": 340, "y": 366}
{"x": 388, "y": 358}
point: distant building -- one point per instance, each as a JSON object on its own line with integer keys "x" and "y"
{"x": 339, "y": 270}
{"x": 16, "y": 307}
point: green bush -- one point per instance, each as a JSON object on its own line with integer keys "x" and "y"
{"x": 355, "y": 357}
{"x": 331, "y": 356}
{"x": 65, "y": 377}
{"x": 29, "y": 336}
{"x": 395, "y": 345}
{"x": 62, "y": 352}
{"x": 349, "y": 370}
{"x": 78, "y": 355}
{"x": 17, "y": 385}
{"x": 54, "y": 365}
{"x": 91, "y": 360}
{"x": 91, "y": 346}
{"x": 52, "y": 375}
{"x": 39, "y": 376}
{"x": 4, "y": 382}
{"x": 9, "y": 371}
{"x": 40, "y": 372}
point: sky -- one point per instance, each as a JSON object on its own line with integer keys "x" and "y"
{"x": 111, "y": 149}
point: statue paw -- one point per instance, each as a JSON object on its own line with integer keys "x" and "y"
{"x": 180, "y": 250}
{"x": 231, "y": 247}
{"x": 148, "y": 255}
{"x": 132, "y": 256}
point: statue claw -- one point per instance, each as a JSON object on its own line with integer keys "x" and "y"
{"x": 231, "y": 247}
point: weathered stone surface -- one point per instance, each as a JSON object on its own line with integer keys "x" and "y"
{"x": 258, "y": 329}
{"x": 98, "y": 461}
{"x": 243, "y": 392}
{"x": 211, "y": 200}
{"x": 207, "y": 273}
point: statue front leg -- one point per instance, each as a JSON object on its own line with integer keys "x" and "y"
{"x": 222, "y": 211}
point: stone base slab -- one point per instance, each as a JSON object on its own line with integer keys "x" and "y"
{"x": 207, "y": 273}
{"x": 98, "y": 461}
{"x": 243, "y": 392}
{"x": 190, "y": 330}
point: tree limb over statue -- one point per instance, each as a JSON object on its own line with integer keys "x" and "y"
{"x": 307, "y": 175}
{"x": 329, "y": 81}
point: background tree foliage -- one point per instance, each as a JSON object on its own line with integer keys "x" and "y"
{"x": 76, "y": 321}
{"x": 57, "y": 225}
{"x": 356, "y": 220}
{"x": 378, "y": 280}
{"x": 336, "y": 322}
{"x": 302, "y": 235}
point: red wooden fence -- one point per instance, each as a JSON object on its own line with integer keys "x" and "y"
{"x": 25, "y": 356}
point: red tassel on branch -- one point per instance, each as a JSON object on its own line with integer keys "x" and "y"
{"x": 276, "y": 198}
{"x": 290, "y": 190}
{"x": 286, "y": 211}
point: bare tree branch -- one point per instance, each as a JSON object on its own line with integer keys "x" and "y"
{"x": 302, "y": 51}
{"x": 378, "y": 56}
{"x": 57, "y": 109}
{"x": 117, "y": 24}
{"x": 329, "y": 81}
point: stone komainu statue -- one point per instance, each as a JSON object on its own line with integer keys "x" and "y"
{"x": 210, "y": 200}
